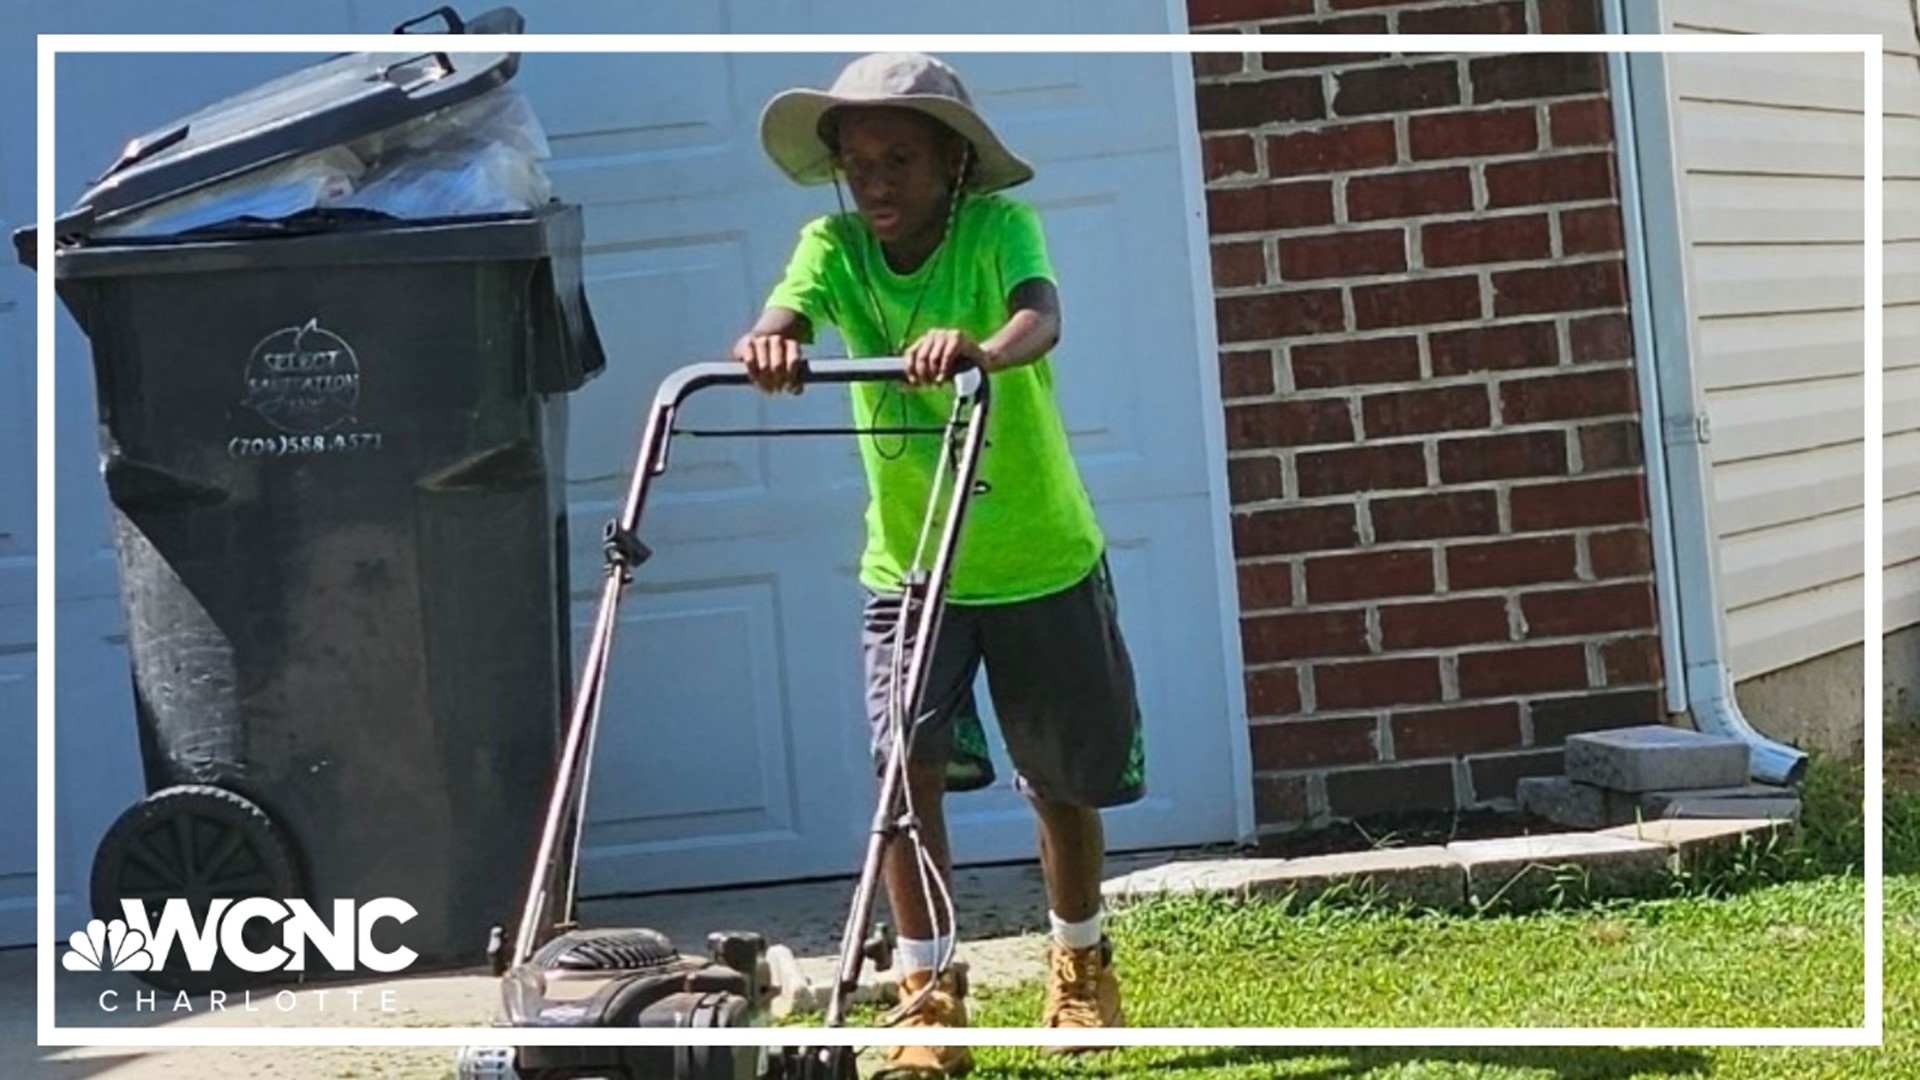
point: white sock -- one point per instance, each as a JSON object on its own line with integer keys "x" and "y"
{"x": 1076, "y": 935}
{"x": 917, "y": 955}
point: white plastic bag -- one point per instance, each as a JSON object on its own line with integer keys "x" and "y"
{"x": 269, "y": 194}
{"x": 479, "y": 157}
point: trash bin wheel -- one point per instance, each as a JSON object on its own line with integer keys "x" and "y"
{"x": 199, "y": 843}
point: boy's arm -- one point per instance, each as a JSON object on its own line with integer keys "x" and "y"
{"x": 783, "y": 322}
{"x": 1031, "y": 330}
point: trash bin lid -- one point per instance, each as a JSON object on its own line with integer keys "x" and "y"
{"x": 339, "y": 100}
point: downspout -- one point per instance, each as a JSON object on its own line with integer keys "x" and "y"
{"x": 1673, "y": 421}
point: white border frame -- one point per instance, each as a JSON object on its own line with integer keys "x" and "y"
{"x": 50, "y": 46}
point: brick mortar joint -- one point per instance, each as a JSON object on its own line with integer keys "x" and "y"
{"x": 1334, "y": 336}
{"x": 1320, "y": 124}
{"x": 1465, "y": 378}
{"x": 1486, "y": 648}
{"x": 1270, "y": 242}
{"x": 1527, "y": 483}
{"x": 1379, "y": 606}
{"x": 1444, "y": 383}
{"x": 1416, "y": 713}
{"x": 1492, "y": 215}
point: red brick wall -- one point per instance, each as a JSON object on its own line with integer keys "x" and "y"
{"x": 1439, "y": 505}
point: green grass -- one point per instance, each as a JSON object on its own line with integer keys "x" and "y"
{"x": 1695, "y": 983}
{"x": 1772, "y": 937}
{"x": 1743, "y": 961}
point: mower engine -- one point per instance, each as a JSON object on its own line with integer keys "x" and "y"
{"x": 632, "y": 978}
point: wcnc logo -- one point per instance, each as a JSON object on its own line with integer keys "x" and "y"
{"x": 346, "y": 944}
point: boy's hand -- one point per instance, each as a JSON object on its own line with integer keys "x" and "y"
{"x": 773, "y": 361}
{"x": 941, "y": 354}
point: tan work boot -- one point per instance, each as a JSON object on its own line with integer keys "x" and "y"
{"x": 1082, "y": 992}
{"x": 945, "y": 1006}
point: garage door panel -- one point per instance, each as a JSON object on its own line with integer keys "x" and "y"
{"x": 732, "y": 739}
{"x": 641, "y": 293}
{"x": 18, "y": 724}
{"x": 1110, "y": 243}
{"x": 669, "y": 115}
{"x": 1085, "y": 238}
{"x": 720, "y": 739}
{"x": 1066, "y": 107}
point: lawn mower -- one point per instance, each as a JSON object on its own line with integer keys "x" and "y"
{"x": 558, "y": 975}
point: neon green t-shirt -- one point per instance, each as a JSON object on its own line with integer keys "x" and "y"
{"x": 1031, "y": 530}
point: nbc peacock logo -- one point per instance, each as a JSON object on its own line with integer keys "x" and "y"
{"x": 107, "y": 946}
{"x": 231, "y": 930}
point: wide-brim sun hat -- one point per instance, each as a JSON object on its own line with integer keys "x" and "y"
{"x": 790, "y": 124}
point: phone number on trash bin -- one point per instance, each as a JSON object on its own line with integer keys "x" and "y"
{"x": 289, "y": 445}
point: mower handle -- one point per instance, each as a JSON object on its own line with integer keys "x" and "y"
{"x": 555, "y": 872}
{"x": 683, "y": 383}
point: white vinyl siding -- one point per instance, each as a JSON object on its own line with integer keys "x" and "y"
{"x": 1901, "y": 271}
{"x": 1772, "y": 152}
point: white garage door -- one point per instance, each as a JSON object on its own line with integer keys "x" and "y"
{"x": 17, "y": 539}
{"x": 734, "y": 745}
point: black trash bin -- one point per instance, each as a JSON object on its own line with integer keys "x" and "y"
{"x": 334, "y": 450}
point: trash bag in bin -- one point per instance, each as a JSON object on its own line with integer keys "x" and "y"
{"x": 334, "y": 448}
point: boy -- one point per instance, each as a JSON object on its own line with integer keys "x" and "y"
{"x": 936, "y": 268}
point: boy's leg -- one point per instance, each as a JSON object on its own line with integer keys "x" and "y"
{"x": 924, "y": 930}
{"x": 1063, "y": 685}
{"x": 913, "y": 916}
{"x": 1073, "y": 851}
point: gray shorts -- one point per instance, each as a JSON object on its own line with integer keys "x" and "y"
{"x": 1062, "y": 687}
